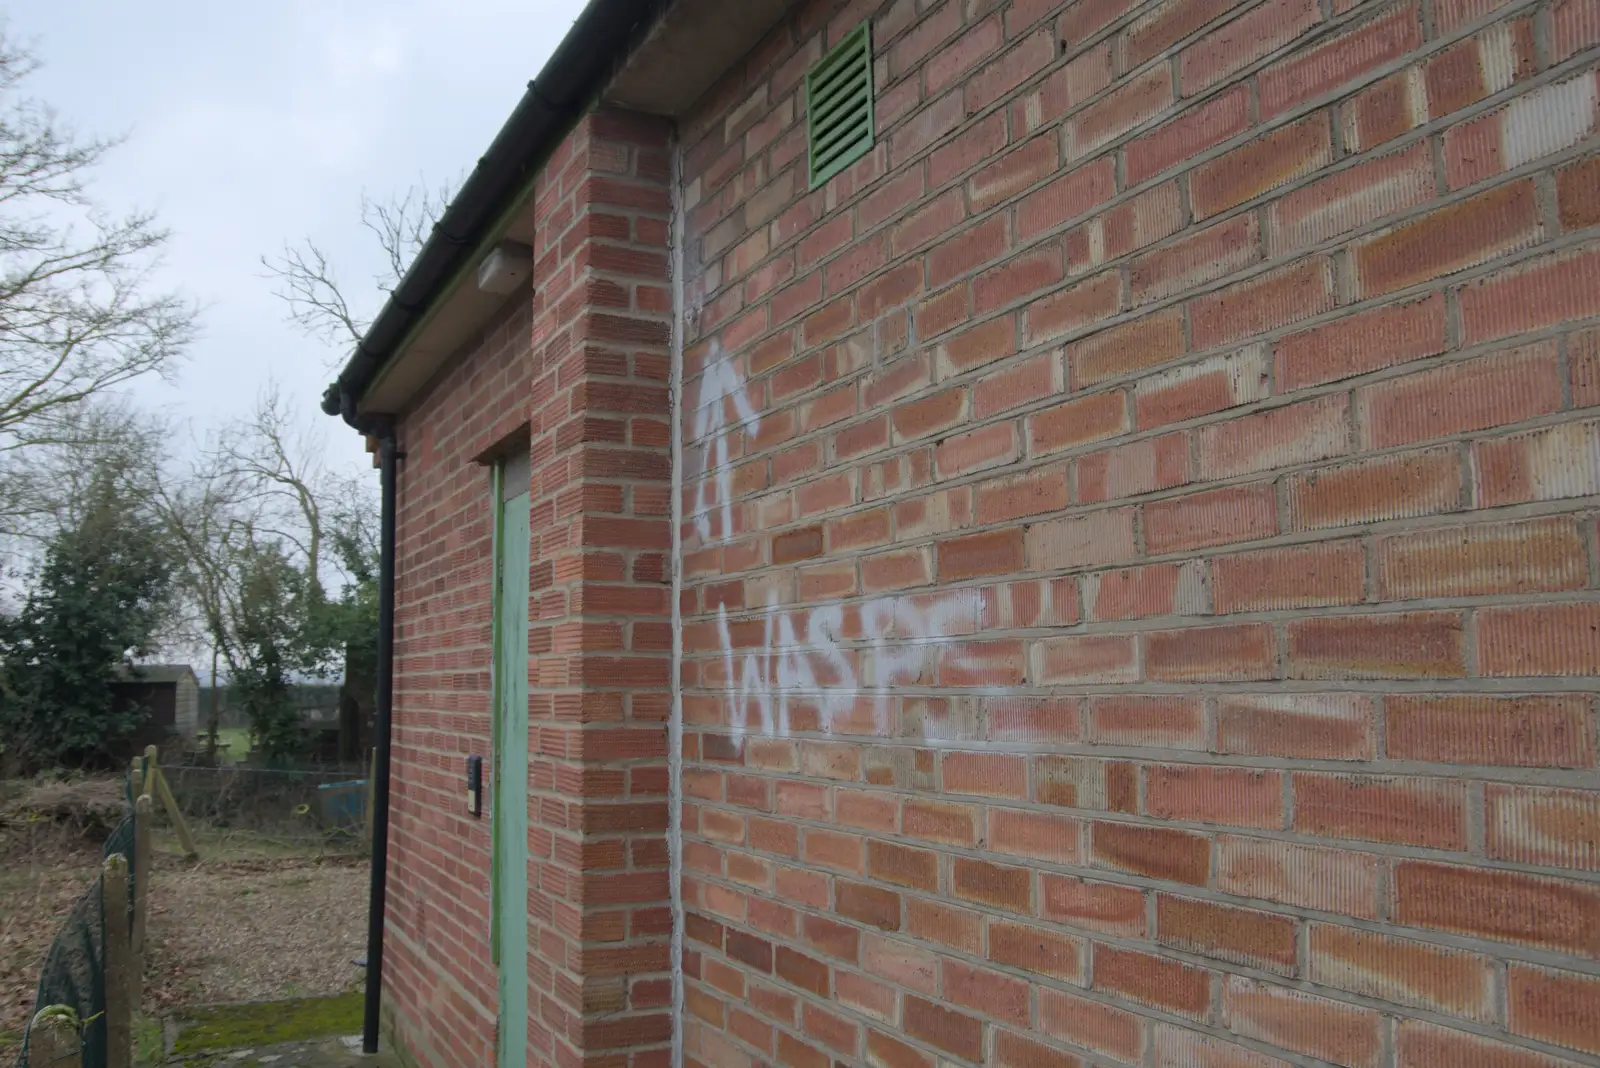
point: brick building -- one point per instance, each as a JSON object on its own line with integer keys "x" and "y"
{"x": 1108, "y": 577}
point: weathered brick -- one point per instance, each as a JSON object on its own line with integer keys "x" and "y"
{"x": 992, "y": 993}
{"x": 1315, "y": 71}
{"x": 1155, "y": 852}
{"x": 1070, "y": 310}
{"x": 1532, "y": 125}
{"x": 1103, "y": 537}
{"x": 1327, "y": 726}
{"x": 1546, "y": 554}
{"x": 1140, "y": 592}
{"x": 1232, "y": 796}
{"x": 1169, "y": 722}
{"x": 1302, "y": 576}
{"x": 1195, "y": 130}
{"x": 1562, "y": 1008}
{"x": 1194, "y": 259}
{"x": 1159, "y": 29}
{"x": 1464, "y": 234}
{"x": 1547, "y": 291}
{"x": 1128, "y": 470}
{"x": 1243, "y": 40}
{"x": 1201, "y": 388}
{"x": 1145, "y": 219}
{"x": 1422, "y": 812}
{"x": 1212, "y": 517}
{"x": 1329, "y": 880}
{"x": 1557, "y": 639}
{"x": 1554, "y": 731}
{"x": 1157, "y": 981}
{"x": 1499, "y": 905}
{"x": 1401, "y": 971}
{"x": 1391, "y": 487}
{"x": 1091, "y": 906}
{"x": 1295, "y": 434}
{"x": 1144, "y": 342}
{"x": 1386, "y": 110}
{"x": 1210, "y": 654}
{"x": 1553, "y": 828}
{"x": 1264, "y": 303}
{"x": 1263, "y": 164}
{"x": 1074, "y": 193}
{"x": 1396, "y": 645}
{"x": 1351, "y": 199}
{"x": 952, "y": 1031}
{"x": 1420, "y": 1045}
{"x": 1360, "y": 343}
{"x": 1022, "y": 167}
{"x": 1077, "y": 422}
{"x": 1316, "y": 1026}
{"x": 1542, "y": 465}
{"x": 1243, "y": 936}
{"x": 1124, "y": 109}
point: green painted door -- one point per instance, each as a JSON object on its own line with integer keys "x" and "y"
{"x": 510, "y": 867}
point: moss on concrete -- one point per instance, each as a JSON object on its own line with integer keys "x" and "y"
{"x": 148, "y": 1042}
{"x": 262, "y": 1023}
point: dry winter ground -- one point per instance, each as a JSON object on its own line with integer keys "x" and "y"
{"x": 249, "y": 921}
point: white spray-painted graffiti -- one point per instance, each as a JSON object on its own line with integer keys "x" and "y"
{"x": 843, "y": 664}
{"x": 720, "y": 388}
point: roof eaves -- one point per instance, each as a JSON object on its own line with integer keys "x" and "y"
{"x": 599, "y": 40}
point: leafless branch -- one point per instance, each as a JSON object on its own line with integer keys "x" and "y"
{"x": 306, "y": 283}
{"x": 78, "y": 315}
{"x": 318, "y": 301}
{"x": 402, "y": 225}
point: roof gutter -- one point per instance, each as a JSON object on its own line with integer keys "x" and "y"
{"x": 599, "y": 40}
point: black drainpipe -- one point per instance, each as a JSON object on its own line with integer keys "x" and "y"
{"x": 388, "y": 459}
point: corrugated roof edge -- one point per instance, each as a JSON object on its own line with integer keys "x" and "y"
{"x": 600, "y": 39}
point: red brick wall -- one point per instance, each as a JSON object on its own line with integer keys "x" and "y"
{"x": 439, "y": 988}
{"x": 601, "y": 586}
{"x": 582, "y": 371}
{"x": 1139, "y": 546}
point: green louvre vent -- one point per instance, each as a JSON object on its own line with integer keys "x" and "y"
{"x": 839, "y": 105}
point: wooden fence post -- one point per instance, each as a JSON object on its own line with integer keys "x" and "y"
{"x": 54, "y": 1040}
{"x": 170, "y": 803}
{"x": 136, "y": 777}
{"x": 118, "y": 962}
{"x": 143, "y": 809}
{"x": 150, "y": 757}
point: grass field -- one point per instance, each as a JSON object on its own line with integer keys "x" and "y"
{"x": 237, "y": 740}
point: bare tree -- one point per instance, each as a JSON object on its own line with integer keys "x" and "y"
{"x": 278, "y": 465}
{"x": 260, "y": 494}
{"x": 308, "y": 284}
{"x": 43, "y": 488}
{"x": 77, "y": 313}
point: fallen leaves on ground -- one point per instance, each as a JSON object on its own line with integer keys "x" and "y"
{"x": 43, "y": 872}
{"x": 237, "y": 928}
{"x": 251, "y": 930}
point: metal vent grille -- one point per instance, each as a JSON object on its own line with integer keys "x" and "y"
{"x": 839, "y": 105}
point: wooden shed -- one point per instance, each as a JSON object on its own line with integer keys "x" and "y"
{"x": 172, "y": 694}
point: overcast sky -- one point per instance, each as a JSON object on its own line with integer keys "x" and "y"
{"x": 251, "y": 124}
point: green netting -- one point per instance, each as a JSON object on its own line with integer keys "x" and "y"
{"x": 73, "y": 974}
{"x": 74, "y": 970}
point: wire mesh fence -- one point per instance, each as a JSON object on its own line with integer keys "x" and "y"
{"x": 324, "y": 808}
{"x": 318, "y": 810}
{"x": 73, "y": 973}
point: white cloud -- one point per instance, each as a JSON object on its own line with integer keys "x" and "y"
{"x": 252, "y": 125}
